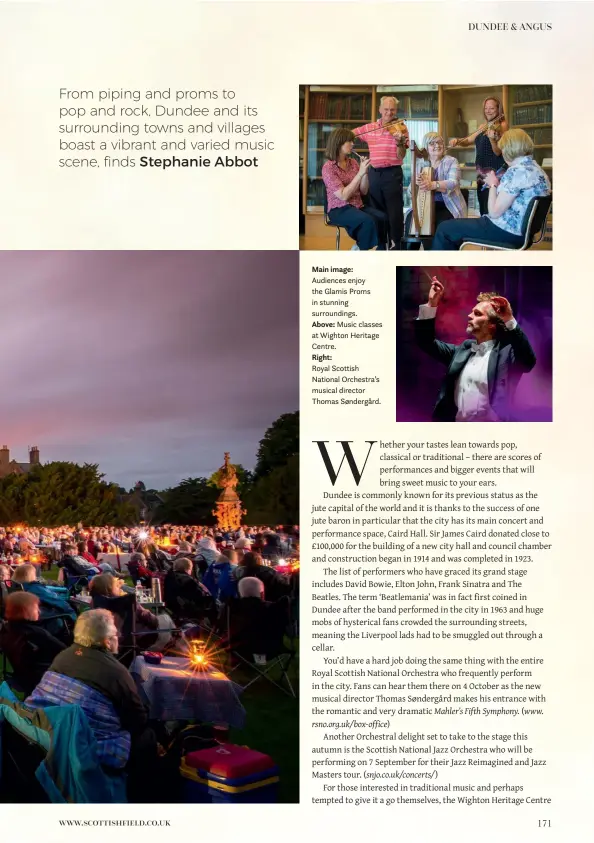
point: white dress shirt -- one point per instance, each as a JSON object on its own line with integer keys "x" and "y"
{"x": 472, "y": 387}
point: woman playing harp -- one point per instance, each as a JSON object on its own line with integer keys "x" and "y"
{"x": 437, "y": 180}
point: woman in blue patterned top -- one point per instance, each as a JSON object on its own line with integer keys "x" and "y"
{"x": 508, "y": 199}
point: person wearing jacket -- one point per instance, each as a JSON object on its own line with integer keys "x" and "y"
{"x": 275, "y": 585}
{"x": 184, "y": 595}
{"x": 89, "y": 675}
{"x": 482, "y": 372}
{"x": 106, "y": 585}
{"x": 53, "y": 600}
{"x": 29, "y": 646}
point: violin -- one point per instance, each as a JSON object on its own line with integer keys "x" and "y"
{"x": 394, "y": 127}
{"x": 493, "y": 125}
{"x": 490, "y": 125}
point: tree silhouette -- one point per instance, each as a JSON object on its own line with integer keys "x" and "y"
{"x": 279, "y": 444}
{"x": 60, "y": 493}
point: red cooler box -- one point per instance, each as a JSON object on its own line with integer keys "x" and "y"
{"x": 229, "y": 773}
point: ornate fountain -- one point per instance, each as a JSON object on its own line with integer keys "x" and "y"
{"x": 229, "y": 510}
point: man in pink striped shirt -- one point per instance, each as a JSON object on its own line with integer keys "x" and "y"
{"x": 385, "y": 172}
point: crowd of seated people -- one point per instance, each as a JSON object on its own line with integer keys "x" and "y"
{"x": 207, "y": 577}
{"x": 29, "y": 544}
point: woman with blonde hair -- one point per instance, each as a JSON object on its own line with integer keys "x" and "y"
{"x": 106, "y": 585}
{"x": 443, "y": 182}
{"x": 489, "y": 156}
{"x": 509, "y": 198}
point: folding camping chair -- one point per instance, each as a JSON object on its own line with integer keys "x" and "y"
{"x": 21, "y": 655}
{"x": 49, "y": 754}
{"x": 73, "y": 582}
{"x": 123, "y": 609}
{"x": 258, "y": 642}
{"x": 20, "y": 756}
{"x": 7, "y": 588}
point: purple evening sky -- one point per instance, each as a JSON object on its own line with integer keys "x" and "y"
{"x": 151, "y": 364}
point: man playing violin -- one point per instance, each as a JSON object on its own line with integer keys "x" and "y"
{"x": 387, "y": 141}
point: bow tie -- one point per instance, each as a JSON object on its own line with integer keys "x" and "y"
{"x": 481, "y": 348}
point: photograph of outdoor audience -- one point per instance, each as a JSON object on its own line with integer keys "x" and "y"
{"x": 150, "y": 628}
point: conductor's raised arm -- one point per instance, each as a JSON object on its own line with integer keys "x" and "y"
{"x": 425, "y": 326}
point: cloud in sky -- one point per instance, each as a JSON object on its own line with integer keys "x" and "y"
{"x": 151, "y": 364}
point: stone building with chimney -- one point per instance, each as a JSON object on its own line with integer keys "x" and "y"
{"x": 8, "y": 466}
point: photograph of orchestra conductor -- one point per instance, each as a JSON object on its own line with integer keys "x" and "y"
{"x": 432, "y": 167}
{"x": 474, "y": 344}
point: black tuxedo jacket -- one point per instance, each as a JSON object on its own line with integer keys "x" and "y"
{"x": 509, "y": 359}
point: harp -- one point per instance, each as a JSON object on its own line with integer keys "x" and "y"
{"x": 423, "y": 204}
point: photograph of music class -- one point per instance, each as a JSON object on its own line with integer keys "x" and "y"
{"x": 425, "y": 167}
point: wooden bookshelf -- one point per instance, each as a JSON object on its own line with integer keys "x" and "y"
{"x": 301, "y": 147}
{"x": 534, "y": 101}
{"x": 325, "y": 120}
{"x": 328, "y": 107}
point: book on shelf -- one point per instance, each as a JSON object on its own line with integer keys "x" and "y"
{"x": 528, "y": 114}
{"x": 532, "y": 93}
{"x": 420, "y": 107}
{"x": 339, "y": 106}
{"x": 315, "y": 192}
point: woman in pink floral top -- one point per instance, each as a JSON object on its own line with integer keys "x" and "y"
{"x": 346, "y": 183}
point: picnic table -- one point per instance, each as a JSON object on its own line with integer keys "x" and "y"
{"x": 173, "y": 690}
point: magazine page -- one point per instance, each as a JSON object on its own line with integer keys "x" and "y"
{"x": 249, "y": 554}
